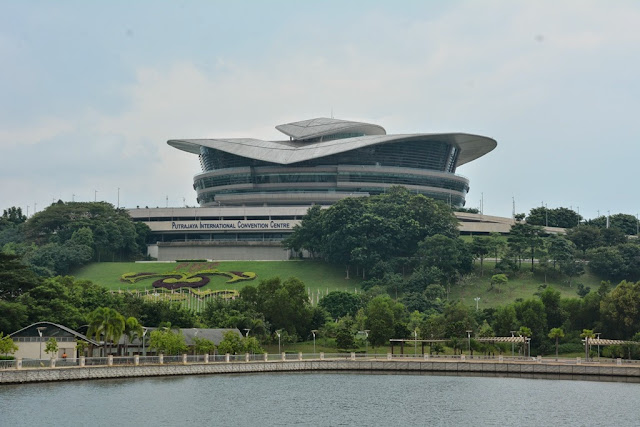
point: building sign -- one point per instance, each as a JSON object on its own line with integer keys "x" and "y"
{"x": 223, "y": 225}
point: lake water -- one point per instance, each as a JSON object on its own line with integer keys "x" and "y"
{"x": 321, "y": 399}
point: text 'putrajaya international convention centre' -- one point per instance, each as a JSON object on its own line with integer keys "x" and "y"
{"x": 253, "y": 192}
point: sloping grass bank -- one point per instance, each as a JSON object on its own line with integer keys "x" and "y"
{"x": 317, "y": 276}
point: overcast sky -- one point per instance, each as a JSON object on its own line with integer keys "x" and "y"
{"x": 91, "y": 91}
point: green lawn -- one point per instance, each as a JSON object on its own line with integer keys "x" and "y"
{"x": 317, "y": 276}
{"x": 321, "y": 278}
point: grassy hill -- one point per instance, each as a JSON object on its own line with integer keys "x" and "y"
{"x": 315, "y": 275}
{"x": 322, "y": 277}
{"x": 524, "y": 285}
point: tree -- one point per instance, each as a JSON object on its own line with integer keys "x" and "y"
{"x": 51, "y": 348}
{"x": 480, "y": 247}
{"x": 558, "y": 217}
{"x": 496, "y": 244}
{"x": 166, "y": 341}
{"x": 556, "y": 333}
{"x": 7, "y": 346}
{"x": 505, "y": 320}
{"x": 231, "y": 343}
{"x": 498, "y": 280}
{"x": 106, "y": 323}
{"x": 14, "y": 316}
{"x": 550, "y": 298}
{"x": 525, "y": 236}
{"x": 382, "y": 313}
{"x": 15, "y": 277}
{"x": 531, "y": 312}
{"x": 584, "y": 237}
{"x": 458, "y": 319}
{"x": 14, "y": 215}
{"x": 285, "y": 305}
{"x": 620, "y": 310}
{"x": 450, "y": 255}
{"x": 203, "y": 346}
{"x": 344, "y": 338}
{"x": 81, "y": 346}
{"x": 626, "y": 224}
{"x": 308, "y": 235}
{"x": 132, "y": 329}
{"x": 251, "y": 345}
{"x": 363, "y": 232}
{"x": 341, "y": 303}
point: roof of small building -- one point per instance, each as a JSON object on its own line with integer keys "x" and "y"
{"x": 50, "y": 329}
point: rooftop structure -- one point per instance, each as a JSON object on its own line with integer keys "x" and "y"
{"x": 325, "y": 160}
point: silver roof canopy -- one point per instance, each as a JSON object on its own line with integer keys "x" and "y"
{"x": 471, "y": 146}
{"x": 315, "y": 128}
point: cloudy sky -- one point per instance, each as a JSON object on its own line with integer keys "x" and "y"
{"x": 91, "y": 91}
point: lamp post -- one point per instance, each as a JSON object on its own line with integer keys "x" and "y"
{"x": 469, "y": 338}
{"x": 278, "y": 334}
{"x": 40, "y": 329}
{"x": 246, "y": 330}
{"x": 598, "y": 338}
{"x": 366, "y": 342}
{"x": 314, "y": 340}
{"x": 476, "y": 299}
{"x": 512, "y": 336}
{"x": 415, "y": 342}
{"x": 144, "y": 332}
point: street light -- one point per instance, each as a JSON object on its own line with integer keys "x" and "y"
{"x": 366, "y": 342}
{"x": 144, "y": 332}
{"x": 278, "y": 334}
{"x": 512, "y": 336}
{"x": 246, "y": 332}
{"x": 598, "y": 338}
{"x": 469, "y": 338}
{"x": 40, "y": 329}
{"x": 415, "y": 342}
{"x": 476, "y": 299}
{"x": 314, "y": 340}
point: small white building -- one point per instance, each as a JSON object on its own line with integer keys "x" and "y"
{"x": 32, "y": 341}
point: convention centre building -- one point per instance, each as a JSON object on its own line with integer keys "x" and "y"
{"x": 252, "y": 192}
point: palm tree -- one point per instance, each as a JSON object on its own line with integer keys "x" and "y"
{"x": 587, "y": 334}
{"x": 107, "y": 323}
{"x": 132, "y": 329}
{"x": 556, "y": 333}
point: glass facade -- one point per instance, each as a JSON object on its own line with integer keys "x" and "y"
{"x": 424, "y": 166}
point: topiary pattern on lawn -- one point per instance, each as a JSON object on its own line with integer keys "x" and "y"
{"x": 179, "y": 279}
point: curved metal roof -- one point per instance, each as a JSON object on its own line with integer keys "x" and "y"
{"x": 51, "y": 325}
{"x": 315, "y": 128}
{"x": 287, "y": 152}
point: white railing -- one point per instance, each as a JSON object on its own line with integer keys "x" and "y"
{"x": 290, "y": 357}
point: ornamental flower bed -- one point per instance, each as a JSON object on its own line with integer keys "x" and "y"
{"x": 180, "y": 279}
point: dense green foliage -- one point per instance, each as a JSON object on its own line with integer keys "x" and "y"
{"x": 406, "y": 247}
{"x": 67, "y": 235}
{"x": 374, "y": 234}
{"x": 166, "y": 341}
{"x": 558, "y": 217}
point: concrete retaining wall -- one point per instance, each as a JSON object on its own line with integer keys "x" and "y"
{"x": 469, "y": 368}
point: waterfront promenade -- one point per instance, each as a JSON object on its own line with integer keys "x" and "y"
{"x": 130, "y": 367}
